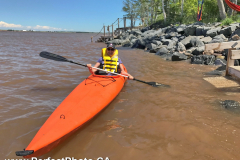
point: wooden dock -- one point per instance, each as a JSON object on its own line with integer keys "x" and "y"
{"x": 233, "y": 54}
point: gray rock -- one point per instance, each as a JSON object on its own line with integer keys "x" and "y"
{"x": 178, "y": 56}
{"x": 190, "y": 30}
{"x": 218, "y": 39}
{"x": 228, "y": 30}
{"x": 126, "y": 41}
{"x": 205, "y": 29}
{"x": 213, "y": 32}
{"x": 198, "y": 50}
{"x": 174, "y": 39}
{"x": 137, "y": 33}
{"x": 158, "y": 32}
{"x": 129, "y": 44}
{"x": 180, "y": 29}
{"x": 170, "y": 35}
{"x": 162, "y": 51}
{"x": 158, "y": 43}
{"x": 206, "y": 39}
{"x": 181, "y": 47}
{"x": 166, "y": 41}
{"x": 180, "y": 38}
{"x": 186, "y": 41}
{"x": 196, "y": 42}
{"x": 231, "y": 105}
{"x": 145, "y": 29}
{"x": 171, "y": 45}
{"x": 236, "y": 32}
{"x": 221, "y": 62}
{"x": 203, "y": 59}
{"x": 151, "y": 46}
{"x": 133, "y": 41}
{"x": 199, "y": 31}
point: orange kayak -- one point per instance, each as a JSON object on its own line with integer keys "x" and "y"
{"x": 81, "y": 105}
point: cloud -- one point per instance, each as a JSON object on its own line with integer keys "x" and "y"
{"x": 37, "y": 27}
{"x": 8, "y": 25}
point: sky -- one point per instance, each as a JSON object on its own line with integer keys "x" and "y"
{"x": 60, "y": 15}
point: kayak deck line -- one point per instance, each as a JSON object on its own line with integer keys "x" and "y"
{"x": 111, "y": 79}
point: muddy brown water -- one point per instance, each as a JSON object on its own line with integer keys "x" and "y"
{"x": 142, "y": 122}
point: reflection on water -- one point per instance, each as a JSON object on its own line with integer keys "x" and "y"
{"x": 185, "y": 121}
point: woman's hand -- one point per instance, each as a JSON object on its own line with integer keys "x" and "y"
{"x": 129, "y": 75}
{"x": 92, "y": 69}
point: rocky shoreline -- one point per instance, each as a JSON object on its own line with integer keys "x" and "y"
{"x": 186, "y": 42}
{"x": 183, "y": 42}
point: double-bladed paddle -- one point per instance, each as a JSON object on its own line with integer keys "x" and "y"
{"x": 56, "y": 57}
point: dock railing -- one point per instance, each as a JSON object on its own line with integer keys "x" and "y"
{"x": 111, "y": 35}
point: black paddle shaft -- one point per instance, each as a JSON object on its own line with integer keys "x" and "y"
{"x": 56, "y": 57}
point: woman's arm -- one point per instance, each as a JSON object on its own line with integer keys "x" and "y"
{"x": 124, "y": 72}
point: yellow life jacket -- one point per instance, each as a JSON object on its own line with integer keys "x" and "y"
{"x": 110, "y": 63}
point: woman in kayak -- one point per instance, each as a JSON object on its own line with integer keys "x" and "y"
{"x": 110, "y": 62}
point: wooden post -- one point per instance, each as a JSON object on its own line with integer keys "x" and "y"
{"x": 112, "y": 31}
{"x": 104, "y": 33}
{"x": 131, "y": 22}
{"x": 229, "y": 62}
{"x": 124, "y": 18}
{"x": 118, "y": 22}
{"x": 92, "y": 39}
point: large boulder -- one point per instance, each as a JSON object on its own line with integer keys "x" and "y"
{"x": 228, "y": 30}
{"x": 213, "y": 32}
{"x": 190, "y": 30}
{"x": 178, "y": 56}
{"x": 162, "y": 51}
{"x": 218, "y": 39}
{"x": 186, "y": 41}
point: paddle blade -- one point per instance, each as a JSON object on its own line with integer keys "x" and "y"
{"x": 155, "y": 84}
{"x": 53, "y": 56}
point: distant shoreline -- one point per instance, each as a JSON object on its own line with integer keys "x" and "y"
{"x": 10, "y": 30}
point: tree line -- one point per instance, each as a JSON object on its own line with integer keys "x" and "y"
{"x": 168, "y": 12}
